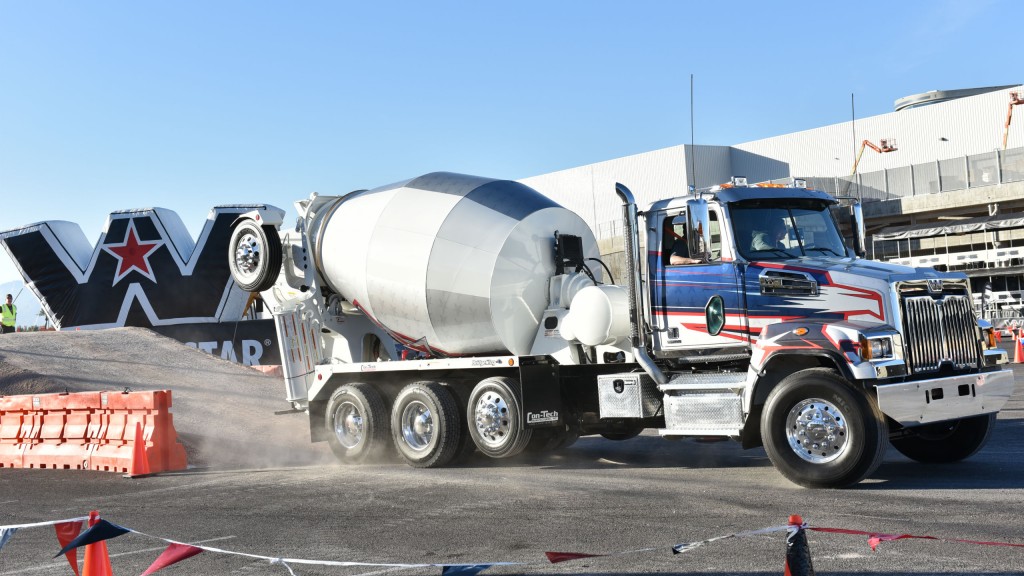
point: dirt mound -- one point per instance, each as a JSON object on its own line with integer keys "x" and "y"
{"x": 223, "y": 412}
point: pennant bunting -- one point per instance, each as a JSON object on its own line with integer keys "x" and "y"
{"x": 464, "y": 569}
{"x": 46, "y": 523}
{"x": 282, "y": 563}
{"x": 876, "y": 538}
{"x": 687, "y": 546}
{"x": 172, "y": 555}
{"x": 70, "y": 536}
{"x": 98, "y": 532}
{"x": 5, "y": 535}
{"x": 556, "y": 557}
{"x": 66, "y": 532}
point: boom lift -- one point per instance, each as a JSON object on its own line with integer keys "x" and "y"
{"x": 1015, "y": 99}
{"x": 887, "y": 145}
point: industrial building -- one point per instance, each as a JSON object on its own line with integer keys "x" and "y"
{"x": 941, "y": 179}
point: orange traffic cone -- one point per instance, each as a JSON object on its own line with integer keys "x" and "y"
{"x": 97, "y": 561}
{"x": 798, "y": 553}
{"x": 1018, "y": 351}
{"x": 140, "y": 462}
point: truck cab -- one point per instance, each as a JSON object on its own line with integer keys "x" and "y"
{"x": 773, "y": 331}
{"x": 763, "y": 247}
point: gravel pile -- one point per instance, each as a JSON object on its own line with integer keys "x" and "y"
{"x": 223, "y": 412}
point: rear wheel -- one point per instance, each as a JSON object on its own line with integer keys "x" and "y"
{"x": 357, "y": 423}
{"x": 425, "y": 425}
{"x": 254, "y": 256}
{"x": 820, "y": 433}
{"x": 495, "y": 418}
{"x": 946, "y": 442}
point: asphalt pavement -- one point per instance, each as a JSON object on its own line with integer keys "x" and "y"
{"x": 628, "y": 502}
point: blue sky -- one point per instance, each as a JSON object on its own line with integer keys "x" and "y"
{"x": 185, "y": 105}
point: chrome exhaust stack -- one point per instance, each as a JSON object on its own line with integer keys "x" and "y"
{"x": 636, "y": 338}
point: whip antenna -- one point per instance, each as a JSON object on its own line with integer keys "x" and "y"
{"x": 693, "y": 147}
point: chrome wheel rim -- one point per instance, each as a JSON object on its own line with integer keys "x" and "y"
{"x": 491, "y": 418}
{"x": 349, "y": 427}
{"x": 417, "y": 425}
{"x": 816, "y": 431}
{"x": 247, "y": 255}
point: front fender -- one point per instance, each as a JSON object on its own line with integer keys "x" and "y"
{"x": 839, "y": 341}
{"x": 266, "y": 216}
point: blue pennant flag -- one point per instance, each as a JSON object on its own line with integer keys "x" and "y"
{"x": 98, "y": 532}
{"x": 5, "y": 535}
{"x": 464, "y": 570}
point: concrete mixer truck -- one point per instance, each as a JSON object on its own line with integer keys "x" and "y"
{"x": 449, "y": 314}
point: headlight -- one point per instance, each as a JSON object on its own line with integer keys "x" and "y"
{"x": 875, "y": 348}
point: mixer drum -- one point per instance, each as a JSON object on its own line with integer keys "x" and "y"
{"x": 450, "y": 263}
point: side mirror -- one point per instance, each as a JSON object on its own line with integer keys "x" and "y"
{"x": 859, "y": 234}
{"x": 698, "y": 229}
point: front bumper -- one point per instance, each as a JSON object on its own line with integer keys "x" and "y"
{"x": 950, "y": 398}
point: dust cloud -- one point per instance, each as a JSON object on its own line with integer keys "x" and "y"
{"x": 223, "y": 412}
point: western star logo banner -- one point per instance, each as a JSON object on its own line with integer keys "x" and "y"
{"x": 145, "y": 270}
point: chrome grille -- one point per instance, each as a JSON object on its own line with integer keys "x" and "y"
{"x": 940, "y": 330}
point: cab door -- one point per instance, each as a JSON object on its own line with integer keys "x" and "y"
{"x": 681, "y": 294}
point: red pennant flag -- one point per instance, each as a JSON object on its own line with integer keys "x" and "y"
{"x": 556, "y": 557}
{"x": 172, "y": 555}
{"x": 66, "y": 532}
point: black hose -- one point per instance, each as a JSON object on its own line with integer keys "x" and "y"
{"x": 611, "y": 279}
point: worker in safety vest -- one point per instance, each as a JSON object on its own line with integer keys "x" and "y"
{"x": 10, "y": 315}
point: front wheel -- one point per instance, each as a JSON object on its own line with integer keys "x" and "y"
{"x": 821, "y": 433}
{"x": 357, "y": 423}
{"x": 425, "y": 425}
{"x": 946, "y": 442}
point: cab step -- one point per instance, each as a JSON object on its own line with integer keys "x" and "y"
{"x": 705, "y": 404}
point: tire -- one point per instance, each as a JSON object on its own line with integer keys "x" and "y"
{"x": 254, "y": 256}
{"x": 946, "y": 442}
{"x": 495, "y": 418}
{"x": 425, "y": 425}
{"x": 821, "y": 433}
{"x": 357, "y": 423}
{"x": 552, "y": 439}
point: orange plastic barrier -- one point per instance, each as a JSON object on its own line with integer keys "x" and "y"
{"x": 129, "y": 432}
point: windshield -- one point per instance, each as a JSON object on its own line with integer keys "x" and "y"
{"x": 778, "y": 229}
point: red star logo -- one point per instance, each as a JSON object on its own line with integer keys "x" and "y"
{"x": 132, "y": 254}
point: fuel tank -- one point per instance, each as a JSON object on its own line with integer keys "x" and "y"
{"x": 447, "y": 263}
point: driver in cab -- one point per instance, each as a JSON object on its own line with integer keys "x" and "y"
{"x": 770, "y": 239}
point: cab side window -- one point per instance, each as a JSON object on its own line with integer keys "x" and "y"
{"x": 716, "y": 237}
{"x": 673, "y": 239}
{"x": 674, "y": 249}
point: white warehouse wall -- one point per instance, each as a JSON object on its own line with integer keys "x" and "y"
{"x": 971, "y": 125}
{"x": 590, "y": 190}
